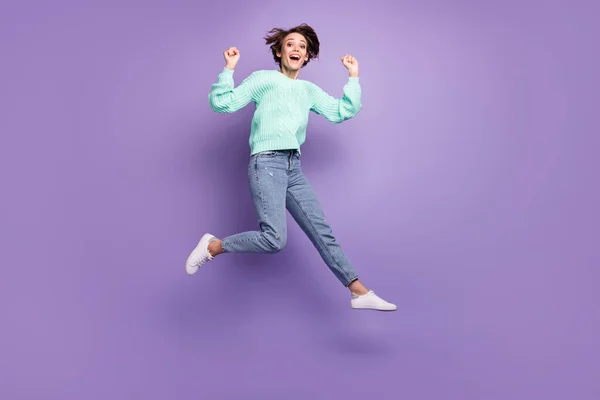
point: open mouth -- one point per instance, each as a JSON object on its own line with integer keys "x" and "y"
{"x": 295, "y": 57}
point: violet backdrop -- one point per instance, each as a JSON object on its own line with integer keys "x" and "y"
{"x": 466, "y": 191}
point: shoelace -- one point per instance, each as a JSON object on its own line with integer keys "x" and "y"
{"x": 205, "y": 257}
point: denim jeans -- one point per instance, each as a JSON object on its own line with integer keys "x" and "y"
{"x": 276, "y": 184}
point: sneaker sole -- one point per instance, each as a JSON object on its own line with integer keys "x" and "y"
{"x": 374, "y": 309}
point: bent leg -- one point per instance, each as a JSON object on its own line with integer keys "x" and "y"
{"x": 268, "y": 181}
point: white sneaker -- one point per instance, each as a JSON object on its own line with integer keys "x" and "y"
{"x": 371, "y": 301}
{"x": 199, "y": 255}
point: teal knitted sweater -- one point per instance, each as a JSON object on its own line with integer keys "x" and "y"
{"x": 282, "y": 106}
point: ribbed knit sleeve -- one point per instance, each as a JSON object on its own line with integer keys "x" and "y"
{"x": 224, "y": 98}
{"x": 337, "y": 110}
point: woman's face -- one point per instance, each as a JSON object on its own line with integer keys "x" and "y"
{"x": 294, "y": 52}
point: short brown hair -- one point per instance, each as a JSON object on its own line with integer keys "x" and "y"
{"x": 275, "y": 39}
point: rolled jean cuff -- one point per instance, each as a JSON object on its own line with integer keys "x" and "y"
{"x": 350, "y": 280}
{"x": 224, "y": 245}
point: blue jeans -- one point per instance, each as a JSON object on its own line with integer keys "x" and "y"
{"x": 276, "y": 184}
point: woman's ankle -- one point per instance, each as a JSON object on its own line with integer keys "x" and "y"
{"x": 357, "y": 287}
{"x": 215, "y": 248}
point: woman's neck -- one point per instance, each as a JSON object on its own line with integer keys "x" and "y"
{"x": 289, "y": 73}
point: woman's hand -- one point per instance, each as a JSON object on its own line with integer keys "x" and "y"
{"x": 232, "y": 56}
{"x": 351, "y": 64}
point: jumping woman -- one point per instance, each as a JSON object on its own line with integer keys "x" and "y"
{"x": 276, "y": 179}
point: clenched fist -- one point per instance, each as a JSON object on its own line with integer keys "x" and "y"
{"x": 351, "y": 64}
{"x": 232, "y": 56}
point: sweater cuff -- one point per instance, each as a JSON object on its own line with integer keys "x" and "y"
{"x": 353, "y": 79}
{"x": 227, "y": 71}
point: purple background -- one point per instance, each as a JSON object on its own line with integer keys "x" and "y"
{"x": 466, "y": 191}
